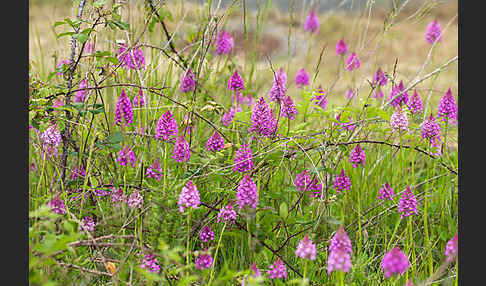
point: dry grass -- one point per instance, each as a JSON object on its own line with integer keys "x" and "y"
{"x": 404, "y": 42}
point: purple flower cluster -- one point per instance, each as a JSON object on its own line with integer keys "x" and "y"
{"x": 448, "y": 107}
{"x": 57, "y": 205}
{"x": 302, "y": 78}
{"x": 243, "y": 159}
{"x": 206, "y": 234}
{"x": 224, "y": 43}
{"x": 263, "y": 121}
{"x": 182, "y": 153}
{"x": 451, "y": 249}
{"x": 166, "y": 127}
{"x": 256, "y": 271}
{"x": 124, "y": 110}
{"x": 215, "y": 143}
{"x": 433, "y": 32}
{"x": 311, "y": 22}
{"x": 78, "y": 171}
{"x": 277, "y": 270}
{"x": 80, "y": 95}
{"x": 131, "y": 59}
{"x": 63, "y": 63}
{"x": 353, "y": 62}
{"x": 319, "y": 97}
{"x": 379, "y": 80}
{"x": 408, "y": 204}
{"x": 236, "y": 82}
{"x": 154, "y": 171}
{"x": 357, "y": 156}
{"x": 126, "y": 155}
{"x": 87, "y": 224}
{"x": 342, "y": 182}
{"x": 394, "y": 262}
{"x": 430, "y": 129}
{"x": 279, "y": 88}
{"x": 398, "y": 100}
{"x": 135, "y": 200}
{"x": 227, "y": 117}
{"x": 188, "y": 81}
{"x": 303, "y": 182}
{"x": 341, "y": 48}
{"x": 340, "y": 251}
{"x": 386, "y": 192}
{"x": 117, "y": 196}
{"x": 227, "y": 214}
{"x": 51, "y": 139}
{"x": 204, "y": 261}
{"x": 415, "y": 103}
{"x": 306, "y": 249}
{"x": 139, "y": 100}
{"x": 399, "y": 121}
{"x": 189, "y": 197}
{"x": 247, "y": 193}
{"x": 288, "y": 108}
{"x": 150, "y": 263}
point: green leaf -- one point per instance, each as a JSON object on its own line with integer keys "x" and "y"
{"x": 114, "y": 138}
{"x": 65, "y": 34}
{"x": 59, "y": 23}
{"x": 284, "y": 210}
{"x": 98, "y": 3}
{"x": 81, "y": 37}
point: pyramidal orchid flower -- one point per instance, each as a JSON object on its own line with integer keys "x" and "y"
{"x": 433, "y": 32}
{"x": 126, "y": 155}
{"x": 415, "y": 103}
{"x": 166, "y": 127}
{"x": 430, "y": 129}
{"x": 215, "y": 143}
{"x": 357, "y": 156}
{"x": 263, "y": 121}
{"x": 228, "y": 117}
{"x": 451, "y": 249}
{"x": 311, "y": 22}
{"x": 206, "y": 234}
{"x": 188, "y": 81}
{"x": 379, "y": 80}
{"x": 80, "y": 95}
{"x": 386, "y": 192}
{"x": 236, "y": 82}
{"x": 51, "y": 139}
{"x": 227, "y": 214}
{"x": 353, "y": 62}
{"x": 57, "y": 205}
{"x": 342, "y": 182}
{"x": 288, "y": 108}
{"x": 394, "y": 262}
{"x": 448, "y": 107}
{"x": 306, "y": 249}
{"x": 341, "y": 48}
{"x": 243, "y": 159}
{"x": 398, "y": 100}
{"x": 277, "y": 270}
{"x": 131, "y": 59}
{"x": 135, "y": 200}
{"x": 154, "y": 171}
{"x": 124, "y": 110}
{"x": 256, "y": 271}
{"x": 278, "y": 90}
{"x": 224, "y": 43}
{"x": 189, "y": 197}
{"x": 340, "y": 251}
{"x": 204, "y": 261}
{"x": 319, "y": 98}
{"x": 182, "y": 153}
{"x": 247, "y": 193}
{"x": 87, "y": 224}
{"x": 150, "y": 263}
{"x": 138, "y": 100}
{"x": 408, "y": 204}
{"x": 302, "y": 78}
{"x": 399, "y": 121}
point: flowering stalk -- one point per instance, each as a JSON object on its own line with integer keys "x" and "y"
{"x": 216, "y": 254}
{"x": 188, "y": 233}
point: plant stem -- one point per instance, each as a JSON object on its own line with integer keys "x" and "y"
{"x": 216, "y": 255}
